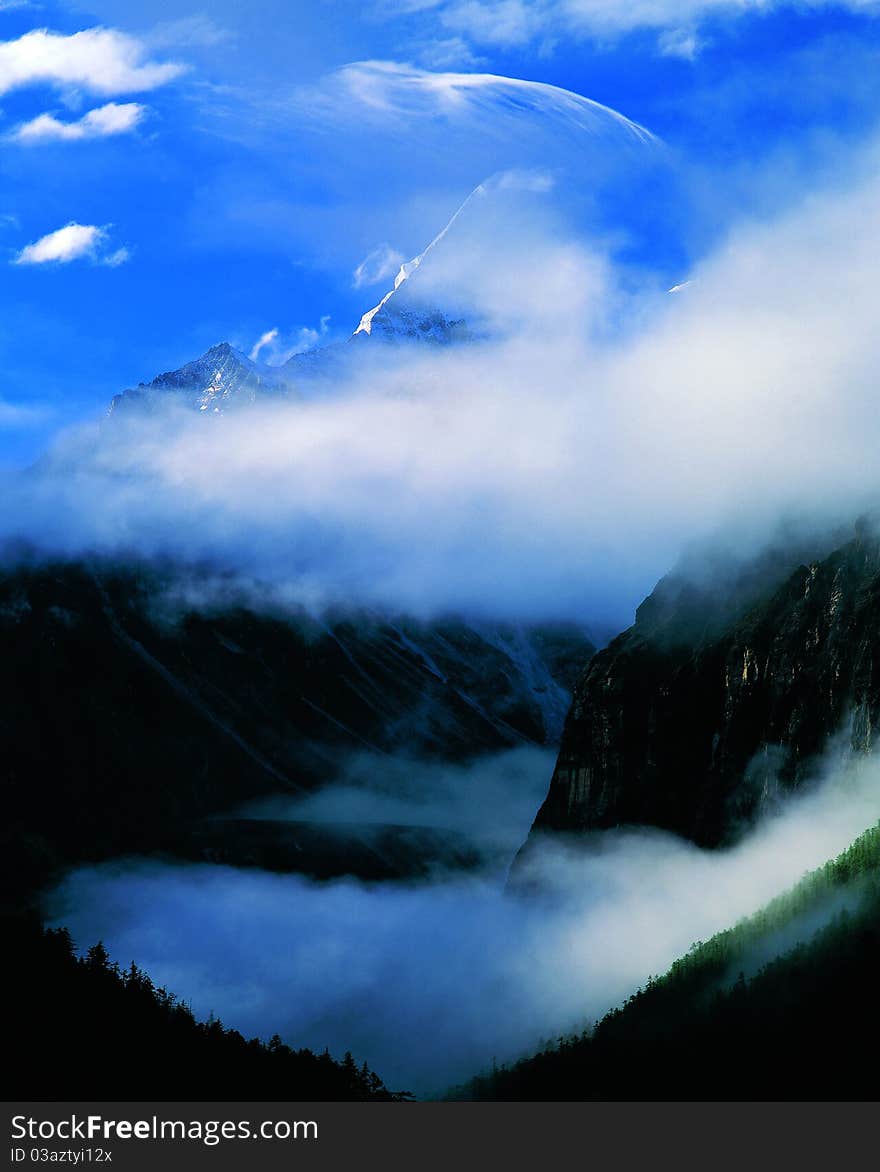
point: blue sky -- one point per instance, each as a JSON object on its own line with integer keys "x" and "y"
{"x": 227, "y": 180}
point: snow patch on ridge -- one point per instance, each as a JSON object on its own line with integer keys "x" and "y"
{"x": 409, "y": 267}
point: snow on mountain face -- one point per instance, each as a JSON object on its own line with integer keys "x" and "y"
{"x": 396, "y": 323}
{"x": 222, "y": 378}
{"x": 396, "y": 319}
{"x": 366, "y": 322}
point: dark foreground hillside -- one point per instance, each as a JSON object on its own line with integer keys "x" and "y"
{"x": 81, "y": 1028}
{"x": 727, "y": 1024}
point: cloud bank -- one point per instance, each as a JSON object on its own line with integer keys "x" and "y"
{"x": 554, "y": 472}
{"x": 430, "y": 982}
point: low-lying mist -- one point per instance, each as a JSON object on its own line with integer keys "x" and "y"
{"x": 429, "y": 982}
{"x": 490, "y": 801}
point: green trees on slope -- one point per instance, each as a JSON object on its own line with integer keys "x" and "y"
{"x": 781, "y": 1006}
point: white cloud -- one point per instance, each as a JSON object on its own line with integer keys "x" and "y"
{"x": 100, "y": 60}
{"x": 390, "y": 89}
{"x": 380, "y": 264}
{"x": 20, "y": 415}
{"x": 502, "y": 22}
{"x": 73, "y": 242}
{"x": 448, "y": 52}
{"x": 276, "y": 349}
{"x": 610, "y": 16}
{"x": 188, "y": 31}
{"x": 115, "y": 258}
{"x": 684, "y": 43}
{"x": 65, "y": 244}
{"x": 264, "y": 340}
{"x": 506, "y": 23}
{"x": 113, "y": 118}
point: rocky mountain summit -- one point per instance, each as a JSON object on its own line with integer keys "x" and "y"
{"x": 224, "y": 378}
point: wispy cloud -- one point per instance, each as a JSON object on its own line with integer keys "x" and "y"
{"x": 188, "y": 32}
{"x": 498, "y": 22}
{"x": 509, "y": 23}
{"x": 448, "y": 52}
{"x": 398, "y": 145}
{"x": 100, "y": 60}
{"x": 15, "y": 416}
{"x": 113, "y": 118}
{"x": 681, "y": 42}
{"x": 384, "y": 89}
{"x": 73, "y": 242}
{"x": 380, "y": 264}
{"x": 276, "y": 348}
{"x": 262, "y": 342}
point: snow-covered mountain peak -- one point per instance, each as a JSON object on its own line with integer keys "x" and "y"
{"x": 406, "y": 269}
{"x": 222, "y": 377}
{"x": 393, "y": 320}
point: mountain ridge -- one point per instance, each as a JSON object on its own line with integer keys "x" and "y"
{"x": 224, "y": 378}
{"x": 125, "y": 726}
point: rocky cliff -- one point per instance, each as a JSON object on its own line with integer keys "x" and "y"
{"x": 723, "y": 694}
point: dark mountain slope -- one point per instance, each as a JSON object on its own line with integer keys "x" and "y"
{"x": 716, "y": 699}
{"x": 120, "y": 724}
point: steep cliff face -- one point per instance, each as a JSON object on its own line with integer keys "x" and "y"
{"x": 712, "y": 704}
